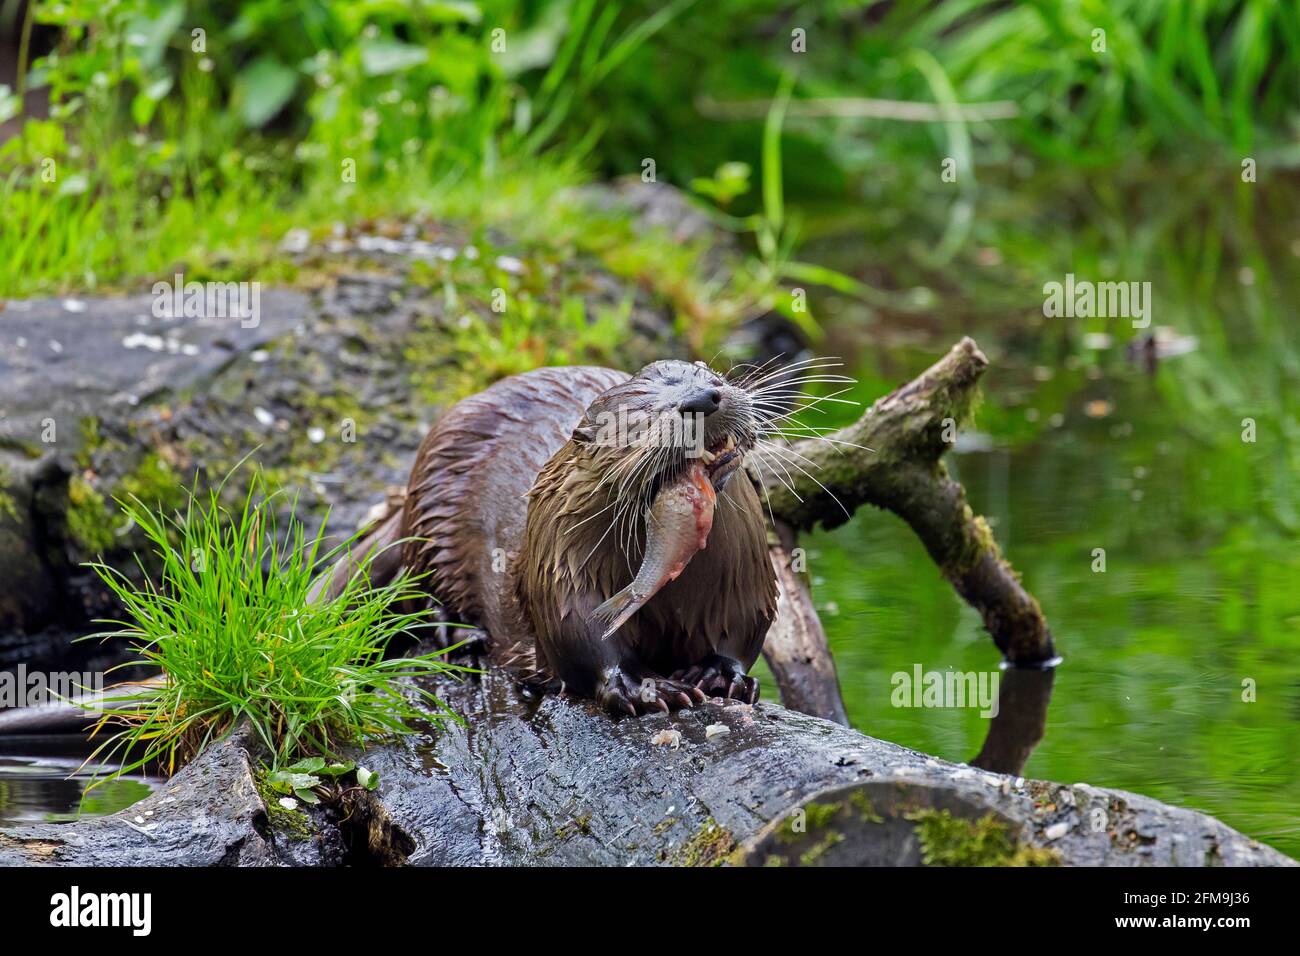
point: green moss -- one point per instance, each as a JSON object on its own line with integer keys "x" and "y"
{"x": 294, "y": 823}
{"x": 951, "y": 841}
{"x": 494, "y": 324}
{"x": 712, "y": 845}
{"x": 91, "y": 440}
{"x": 820, "y": 814}
{"x": 90, "y": 523}
{"x": 866, "y": 809}
{"x": 93, "y": 518}
{"x": 8, "y": 506}
{"x": 816, "y": 816}
{"x": 154, "y": 483}
{"x": 814, "y": 853}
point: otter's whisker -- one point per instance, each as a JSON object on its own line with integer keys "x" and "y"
{"x": 596, "y": 547}
{"x": 782, "y": 475}
{"x": 774, "y": 414}
{"x": 766, "y": 494}
{"x": 779, "y": 398}
{"x": 787, "y": 449}
{"x": 815, "y": 437}
{"x": 790, "y": 383}
{"x": 815, "y": 364}
{"x": 595, "y": 514}
{"x": 753, "y": 370}
{"x": 779, "y": 450}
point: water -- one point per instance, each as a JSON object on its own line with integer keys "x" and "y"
{"x": 42, "y": 785}
{"x": 1084, "y": 449}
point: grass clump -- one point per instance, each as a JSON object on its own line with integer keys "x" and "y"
{"x": 230, "y": 624}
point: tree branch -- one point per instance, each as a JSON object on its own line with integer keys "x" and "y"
{"x": 902, "y": 438}
{"x": 796, "y": 648}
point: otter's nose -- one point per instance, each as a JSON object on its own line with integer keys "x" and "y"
{"x": 703, "y": 402}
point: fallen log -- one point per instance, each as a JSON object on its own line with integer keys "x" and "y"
{"x": 498, "y": 793}
{"x": 555, "y": 781}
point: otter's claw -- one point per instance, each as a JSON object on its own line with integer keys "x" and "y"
{"x": 619, "y": 693}
{"x": 721, "y": 677}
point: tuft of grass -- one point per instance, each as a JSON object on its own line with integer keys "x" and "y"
{"x": 230, "y": 623}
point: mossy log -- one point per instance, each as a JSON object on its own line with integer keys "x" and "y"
{"x": 557, "y": 782}
{"x": 891, "y": 457}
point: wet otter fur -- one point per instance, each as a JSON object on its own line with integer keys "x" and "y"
{"x": 527, "y": 512}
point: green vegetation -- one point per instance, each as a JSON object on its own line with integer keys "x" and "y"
{"x": 710, "y": 845}
{"x": 88, "y": 516}
{"x": 951, "y": 841}
{"x": 282, "y": 791}
{"x": 230, "y": 625}
{"x": 284, "y": 817}
{"x": 228, "y": 123}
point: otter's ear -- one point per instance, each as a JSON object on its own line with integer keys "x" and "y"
{"x": 585, "y": 433}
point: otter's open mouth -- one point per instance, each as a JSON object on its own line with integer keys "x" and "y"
{"x": 722, "y": 458}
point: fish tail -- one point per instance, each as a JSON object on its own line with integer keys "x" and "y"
{"x": 614, "y": 613}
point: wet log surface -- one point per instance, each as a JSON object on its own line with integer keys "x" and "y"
{"x": 556, "y": 782}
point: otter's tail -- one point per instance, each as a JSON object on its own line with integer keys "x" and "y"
{"x": 378, "y": 555}
{"x": 614, "y": 613}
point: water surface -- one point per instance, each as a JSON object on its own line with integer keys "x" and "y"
{"x": 52, "y": 788}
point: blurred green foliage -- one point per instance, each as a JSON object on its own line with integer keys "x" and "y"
{"x": 179, "y": 122}
{"x": 1172, "y": 77}
{"x": 187, "y": 129}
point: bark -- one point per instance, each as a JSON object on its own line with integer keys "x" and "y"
{"x": 557, "y": 782}
{"x": 796, "y": 648}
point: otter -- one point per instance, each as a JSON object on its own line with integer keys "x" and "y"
{"x": 527, "y": 508}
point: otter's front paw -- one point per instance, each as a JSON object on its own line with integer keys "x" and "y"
{"x": 721, "y": 677}
{"x": 623, "y": 693}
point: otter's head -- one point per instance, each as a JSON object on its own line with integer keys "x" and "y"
{"x": 666, "y": 416}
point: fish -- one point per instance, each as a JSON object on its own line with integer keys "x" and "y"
{"x": 677, "y": 526}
